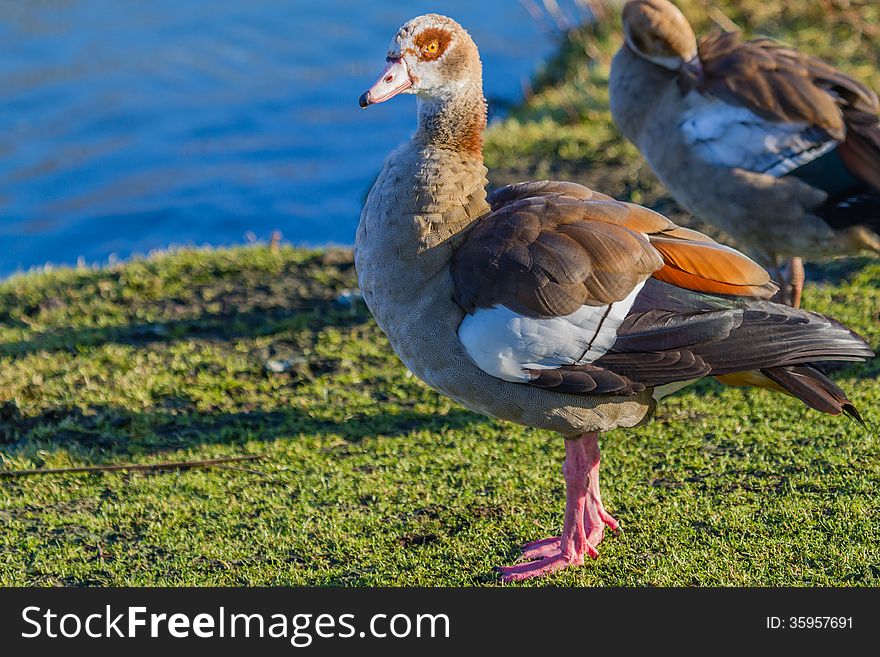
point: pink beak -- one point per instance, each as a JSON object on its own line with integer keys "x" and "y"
{"x": 394, "y": 79}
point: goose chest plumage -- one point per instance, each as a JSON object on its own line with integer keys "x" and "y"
{"x": 554, "y": 306}
{"x": 775, "y": 147}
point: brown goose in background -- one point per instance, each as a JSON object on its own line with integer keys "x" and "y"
{"x": 775, "y": 147}
{"x": 554, "y": 306}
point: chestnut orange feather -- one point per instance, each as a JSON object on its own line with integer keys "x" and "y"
{"x": 688, "y": 281}
{"x": 710, "y": 260}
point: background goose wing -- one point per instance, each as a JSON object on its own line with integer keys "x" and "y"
{"x": 813, "y": 105}
{"x": 782, "y": 84}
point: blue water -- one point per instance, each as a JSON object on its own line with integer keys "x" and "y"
{"x": 133, "y": 125}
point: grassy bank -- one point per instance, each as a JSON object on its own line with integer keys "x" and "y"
{"x": 366, "y": 476}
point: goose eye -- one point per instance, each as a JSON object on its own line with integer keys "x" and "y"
{"x": 432, "y": 47}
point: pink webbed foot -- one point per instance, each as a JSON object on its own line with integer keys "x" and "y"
{"x": 585, "y": 518}
{"x": 555, "y": 558}
{"x": 594, "y": 532}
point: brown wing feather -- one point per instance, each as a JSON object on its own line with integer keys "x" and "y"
{"x": 548, "y": 248}
{"x": 581, "y": 379}
{"x": 645, "y": 220}
{"x": 782, "y": 84}
{"x": 688, "y": 234}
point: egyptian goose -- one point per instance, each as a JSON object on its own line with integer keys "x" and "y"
{"x": 554, "y": 306}
{"x": 773, "y": 146}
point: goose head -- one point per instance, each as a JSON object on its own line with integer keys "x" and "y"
{"x": 431, "y": 56}
{"x": 658, "y": 32}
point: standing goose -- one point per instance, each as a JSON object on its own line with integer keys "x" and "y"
{"x": 551, "y": 305}
{"x": 773, "y": 146}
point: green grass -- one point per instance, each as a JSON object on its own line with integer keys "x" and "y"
{"x": 367, "y": 477}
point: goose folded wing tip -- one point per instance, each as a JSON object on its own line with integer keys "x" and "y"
{"x": 697, "y": 283}
{"x": 710, "y": 267}
{"x": 782, "y": 83}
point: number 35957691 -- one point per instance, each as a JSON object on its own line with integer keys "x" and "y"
{"x": 810, "y": 623}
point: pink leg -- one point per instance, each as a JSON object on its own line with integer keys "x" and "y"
{"x": 603, "y": 518}
{"x": 791, "y": 278}
{"x": 585, "y": 517}
{"x": 797, "y": 277}
{"x": 596, "y": 518}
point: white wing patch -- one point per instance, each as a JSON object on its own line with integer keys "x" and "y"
{"x": 505, "y": 344}
{"x": 732, "y": 136}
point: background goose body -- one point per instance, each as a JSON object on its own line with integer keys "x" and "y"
{"x": 775, "y": 147}
{"x": 554, "y": 306}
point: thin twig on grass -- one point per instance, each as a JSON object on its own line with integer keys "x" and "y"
{"x": 265, "y": 475}
{"x": 166, "y": 465}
